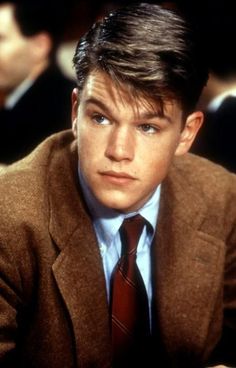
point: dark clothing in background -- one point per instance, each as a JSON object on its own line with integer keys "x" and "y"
{"x": 217, "y": 138}
{"x": 44, "y": 109}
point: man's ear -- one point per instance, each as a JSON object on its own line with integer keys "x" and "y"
{"x": 74, "y": 111}
{"x": 192, "y": 125}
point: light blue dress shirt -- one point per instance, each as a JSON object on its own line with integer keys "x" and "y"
{"x": 107, "y": 222}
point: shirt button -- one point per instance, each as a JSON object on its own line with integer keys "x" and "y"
{"x": 102, "y": 248}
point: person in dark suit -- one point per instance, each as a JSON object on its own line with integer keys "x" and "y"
{"x": 140, "y": 72}
{"x": 216, "y": 141}
{"x": 37, "y": 94}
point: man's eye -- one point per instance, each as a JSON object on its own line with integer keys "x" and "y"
{"x": 147, "y": 128}
{"x": 100, "y": 119}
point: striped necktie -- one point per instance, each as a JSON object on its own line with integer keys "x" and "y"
{"x": 129, "y": 305}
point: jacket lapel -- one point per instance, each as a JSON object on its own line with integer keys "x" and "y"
{"x": 188, "y": 267}
{"x": 79, "y": 275}
{"x": 78, "y": 268}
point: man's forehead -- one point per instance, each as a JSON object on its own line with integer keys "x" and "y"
{"x": 100, "y": 86}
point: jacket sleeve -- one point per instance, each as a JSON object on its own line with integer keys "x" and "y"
{"x": 225, "y": 351}
{"x": 13, "y": 296}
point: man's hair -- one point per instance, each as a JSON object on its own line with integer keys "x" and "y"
{"x": 150, "y": 49}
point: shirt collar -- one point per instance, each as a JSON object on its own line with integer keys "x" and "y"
{"x": 107, "y": 221}
{"x": 18, "y": 92}
{"x": 217, "y": 101}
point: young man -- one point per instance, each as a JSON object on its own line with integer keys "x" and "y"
{"x": 37, "y": 94}
{"x": 70, "y": 294}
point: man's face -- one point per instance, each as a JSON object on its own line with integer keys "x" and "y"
{"x": 16, "y": 52}
{"x": 125, "y": 146}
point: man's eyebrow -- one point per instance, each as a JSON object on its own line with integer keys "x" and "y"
{"x": 143, "y": 116}
{"x": 95, "y": 101}
{"x": 155, "y": 114}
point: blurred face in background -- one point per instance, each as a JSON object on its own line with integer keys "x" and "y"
{"x": 19, "y": 55}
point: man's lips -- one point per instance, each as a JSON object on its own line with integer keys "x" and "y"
{"x": 117, "y": 177}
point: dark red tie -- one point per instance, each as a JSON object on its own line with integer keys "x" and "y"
{"x": 129, "y": 305}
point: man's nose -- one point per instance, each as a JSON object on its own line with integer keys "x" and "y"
{"x": 121, "y": 144}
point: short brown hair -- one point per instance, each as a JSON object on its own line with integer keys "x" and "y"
{"x": 150, "y": 48}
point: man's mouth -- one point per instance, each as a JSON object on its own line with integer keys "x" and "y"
{"x": 116, "y": 177}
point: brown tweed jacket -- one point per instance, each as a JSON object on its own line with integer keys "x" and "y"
{"x": 53, "y": 305}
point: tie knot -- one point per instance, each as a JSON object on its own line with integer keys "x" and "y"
{"x": 130, "y": 232}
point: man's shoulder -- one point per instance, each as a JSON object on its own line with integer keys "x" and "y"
{"x": 194, "y": 165}
{"x": 40, "y": 192}
{"x": 28, "y": 176}
{"x": 201, "y": 190}
{"x": 203, "y": 175}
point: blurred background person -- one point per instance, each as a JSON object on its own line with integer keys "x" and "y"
{"x": 35, "y": 94}
{"x": 216, "y": 139}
